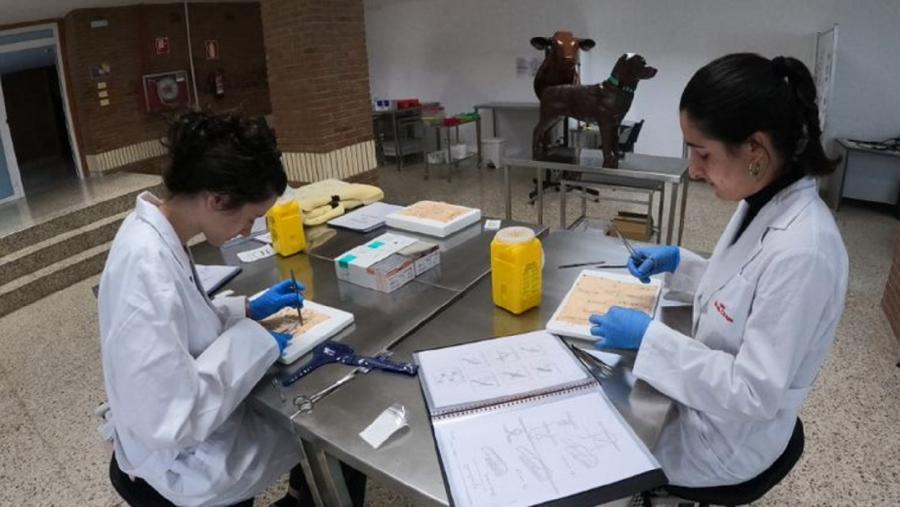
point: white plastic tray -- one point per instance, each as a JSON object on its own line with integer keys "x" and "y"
{"x": 433, "y": 227}
{"x": 583, "y": 331}
{"x": 338, "y": 320}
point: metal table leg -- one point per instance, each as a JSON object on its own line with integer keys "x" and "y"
{"x": 673, "y": 201}
{"x": 398, "y": 152}
{"x": 330, "y": 484}
{"x": 583, "y": 203}
{"x": 562, "y": 206}
{"x": 449, "y": 156}
{"x": 836, "y": 201}
{"x": 540, "y": 196}
{"x": 684, "y": 191}
{"x": 478, "y": 139}
{"x": 659, "y": 214}
{"x": 508, "y": 187}
{"x": 494, "y": 122}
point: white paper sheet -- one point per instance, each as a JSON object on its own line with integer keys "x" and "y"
{"x": 366, "y": 218}
{"x": 256, "y": 254}
{"x": 497, "y": 368}
{"x": 212, "y": 277}
{"x": 529, "y": 454}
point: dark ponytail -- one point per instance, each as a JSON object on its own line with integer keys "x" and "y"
{"x": 225, "y": 154}
{"x": 736, "y": 95}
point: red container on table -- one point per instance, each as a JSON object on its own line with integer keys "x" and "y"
{"x": 408, "y": 103}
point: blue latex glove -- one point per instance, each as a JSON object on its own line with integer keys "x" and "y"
{"x": 282, "y": 339}
{"x": 274, "y": 299}
{"x": 652, "y": 260}
{"x": 620, "y": 328}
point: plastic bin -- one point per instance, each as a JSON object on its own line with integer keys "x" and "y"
{"x": 493, "y": 151}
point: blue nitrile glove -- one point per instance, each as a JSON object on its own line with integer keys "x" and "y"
{"x": 652, "y": 260}
{"x": 282, "y": 339}
{"x": 274, "y": 299}
{"x": 620, "y": 328}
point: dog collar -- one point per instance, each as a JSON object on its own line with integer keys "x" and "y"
{"x": 614, "y": 82}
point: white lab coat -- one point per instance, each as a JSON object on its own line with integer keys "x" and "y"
{"x": 177, "y": 368}
{"x": 765, "y": 313}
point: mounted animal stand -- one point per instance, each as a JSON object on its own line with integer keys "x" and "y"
{"x": 560, "y": 66}
{"x": 605, "y": 104}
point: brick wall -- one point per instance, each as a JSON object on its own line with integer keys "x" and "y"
{"x": 890, "y": 302}
{"x": 319, "y": 87}
{"x": 127, "y": 45}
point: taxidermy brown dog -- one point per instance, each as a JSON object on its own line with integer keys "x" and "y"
{"x": 605, "y": 104}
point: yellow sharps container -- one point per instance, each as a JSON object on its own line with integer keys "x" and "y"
{"x": 285, "y": 221}
{"x": 516, "y": 262}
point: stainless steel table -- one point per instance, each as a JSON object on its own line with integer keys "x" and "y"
{"x": 408, "y": 461}
{"x": 381, "y": 319}
{"x": 440, "y": 128}
{"x": 835, "y": 190}
{"x": 671, "y": 171}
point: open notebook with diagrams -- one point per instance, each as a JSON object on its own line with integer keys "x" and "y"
{"x": 519, "y": 421}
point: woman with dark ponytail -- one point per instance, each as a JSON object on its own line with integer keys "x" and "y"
{"x": 768, "y": 301}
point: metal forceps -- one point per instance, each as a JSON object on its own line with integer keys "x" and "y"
{"x": 593, "y": 363}
{"x": 297, "y": 292}
{"x": 305, "y": 403}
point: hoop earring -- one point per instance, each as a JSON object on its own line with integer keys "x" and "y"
{"x": 755, "y": 169}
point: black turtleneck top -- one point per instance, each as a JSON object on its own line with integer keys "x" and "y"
{"x": 756, "y": 201}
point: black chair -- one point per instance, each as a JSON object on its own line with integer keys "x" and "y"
{"x": 754, "y": 489}
{"x": 628, "y": 138}
{"x": 137, "y": 493}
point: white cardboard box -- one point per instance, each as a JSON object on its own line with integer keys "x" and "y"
{"x": 398, "y": 220}
{"x": 387, "y": 262}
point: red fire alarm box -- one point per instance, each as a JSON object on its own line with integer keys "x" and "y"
{"x": 166, "y": 90}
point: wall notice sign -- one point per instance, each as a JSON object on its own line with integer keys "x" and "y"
{"x": 162, "y": 46}
{"x": 212, "y": 49}
{"x": 99, "y": 71}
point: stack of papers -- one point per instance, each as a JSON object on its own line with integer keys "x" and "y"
{"x": 365, "y": 219}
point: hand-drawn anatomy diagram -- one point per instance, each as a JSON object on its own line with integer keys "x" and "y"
{"x": 498, "y": 367}
{"x": 525, "y": 455}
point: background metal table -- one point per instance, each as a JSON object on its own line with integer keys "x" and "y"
{"x": 671, "y": 171}
{"x": 886, "y": 183}
{"x": 408, "y": 461}
{"x": 496, "y": 107}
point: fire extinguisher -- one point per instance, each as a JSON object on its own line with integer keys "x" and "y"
{"x": 216, "y": 81}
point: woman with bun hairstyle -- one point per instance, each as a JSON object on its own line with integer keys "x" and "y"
{"x": 177, "y": 366}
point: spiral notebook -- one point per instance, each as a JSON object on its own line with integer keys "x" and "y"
{"x": 520, "y": 421}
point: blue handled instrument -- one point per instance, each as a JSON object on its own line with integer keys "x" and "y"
{"x": 333, "y": 352}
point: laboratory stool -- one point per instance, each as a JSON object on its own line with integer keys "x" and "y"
{"x": 755, "y": 488}
{"x": 137, "y": 493}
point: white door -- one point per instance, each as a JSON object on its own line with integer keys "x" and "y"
{"x": 10, "y": 181}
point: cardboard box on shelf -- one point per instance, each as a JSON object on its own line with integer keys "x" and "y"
{"x": 387, "y": 262}
{"x": 636, "y": 226}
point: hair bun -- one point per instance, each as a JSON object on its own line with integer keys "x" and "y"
{"x": 779, "y": 65}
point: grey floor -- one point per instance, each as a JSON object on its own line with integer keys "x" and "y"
{"x": 50, "y": 376}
